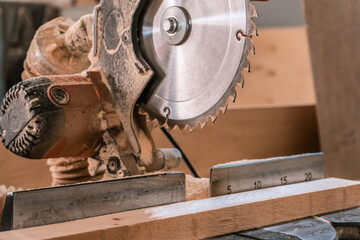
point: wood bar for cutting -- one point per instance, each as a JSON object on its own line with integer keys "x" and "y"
{"x": 209, "y": 217}
{"x": 334, "y": 33}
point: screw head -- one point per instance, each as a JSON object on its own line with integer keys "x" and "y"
{"x": 59, "y": 96}
{"x": 170, "y": 25}
{"x": 113, "y": 165}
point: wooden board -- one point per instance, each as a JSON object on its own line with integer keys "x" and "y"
{"x": 334, "y": 33}
{"x": 209, "y": 217}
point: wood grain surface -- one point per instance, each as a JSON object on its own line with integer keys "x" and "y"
{"x": 209, "y": 217}
{"x": 334, "y": 33}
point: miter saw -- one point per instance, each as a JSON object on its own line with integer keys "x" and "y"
{"x": 127, "y": 67}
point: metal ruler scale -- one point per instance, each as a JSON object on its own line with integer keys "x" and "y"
{"x": 256, "y": 174}
{"x": 66, "y": 203}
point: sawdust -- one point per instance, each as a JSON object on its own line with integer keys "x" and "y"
{"x": 66, "y": 171}
{"x": 197, "y": 188}
{"x": 235, "y": 163}
{"x": 49, "y": 53}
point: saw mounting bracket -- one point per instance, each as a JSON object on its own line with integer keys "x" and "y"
{"x": 126, "y": 72}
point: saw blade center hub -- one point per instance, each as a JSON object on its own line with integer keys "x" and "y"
{"x": 175, "y": 25}
{"x": 170, "y": 25}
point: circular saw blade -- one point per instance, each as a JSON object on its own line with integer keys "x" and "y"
{"x": 194, "y": 75}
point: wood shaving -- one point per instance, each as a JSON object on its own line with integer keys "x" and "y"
{"x": 197, "y": 188}
{"x": 66, "y": 171}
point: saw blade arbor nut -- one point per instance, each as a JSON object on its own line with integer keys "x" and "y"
{"x": 175, "y": 24}
{"x": 170, "y": 25}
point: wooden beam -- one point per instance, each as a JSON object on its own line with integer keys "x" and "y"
{"x": 209, "y": 217}
{"x": 334, "y": 33}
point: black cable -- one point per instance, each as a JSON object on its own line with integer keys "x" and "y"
{"x": 187, "y": 161}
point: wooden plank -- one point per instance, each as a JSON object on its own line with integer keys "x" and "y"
{"x": 209, "y": 217}
{"x": 334, "y": 33}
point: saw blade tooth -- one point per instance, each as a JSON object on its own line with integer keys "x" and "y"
{"x": 224, "y": 104}
{"x": 245, "y": 66}
{"x": 242, "y": 82}
{"x": 254, "y": 13}
{"x": 213, "y": 118}
{"x": 176, "y": 129}
{"x": 233, "y": 96}
{"x": 253, "y": 29}
{"x": 203, "y": 125}
{"x": 192, "y": 128}
{"x": 187, "y": 128}
{"x": 252, "y": 48}
{"x": 198, "y": 125}
{"x": 224, "y": 109}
